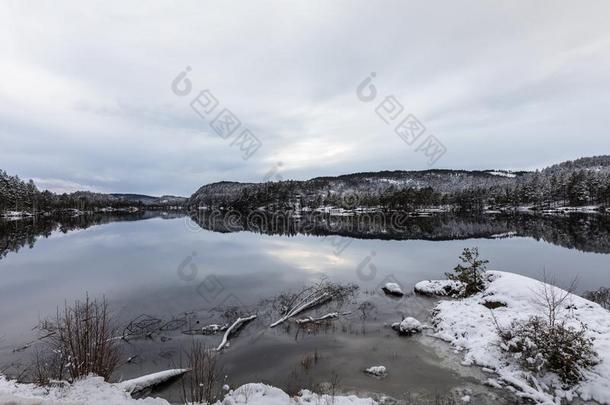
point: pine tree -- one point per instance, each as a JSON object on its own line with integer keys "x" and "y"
{"x": 471, "y": 273}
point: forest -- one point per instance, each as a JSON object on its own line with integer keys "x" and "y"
{"x": 578, "y": 183}
{"x": 19, "y": 195}
{"x": 583, "y": 182}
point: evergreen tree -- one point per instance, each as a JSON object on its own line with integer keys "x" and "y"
{"x": 470, "y": 272}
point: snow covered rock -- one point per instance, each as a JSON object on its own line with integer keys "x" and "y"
{"x": 408, "y": 326}
{"x": 393, "y": 289}
{"x": 377, "y": 371}
{"x": 449, "y": 288}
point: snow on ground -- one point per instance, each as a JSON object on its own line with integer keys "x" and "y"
{"x": 588, "y": 209}
{"x": 90, "y": 391}
{"x": 502, "y": 174}
{"x": 439, "y": 287}
{"x": 94, "y": 391}
{"x": 260, "y": 394}
{"x": 470, "y": 326}
{"x": 503, "y": 235}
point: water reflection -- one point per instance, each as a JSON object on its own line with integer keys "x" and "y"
{"x": 174, "y": 269}
{"x": 588, "y": 233}
{"x": 18, "y": 233}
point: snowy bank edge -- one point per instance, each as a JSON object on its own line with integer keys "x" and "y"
{"x": 470, "y": 326}
{"x": 95, "y": 391}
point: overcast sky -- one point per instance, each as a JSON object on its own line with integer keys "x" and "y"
{"x": 86, "y": 100}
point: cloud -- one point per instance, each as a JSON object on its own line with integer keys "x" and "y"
{"x": 85, "y": 98}
{"x": 62, "y": 186}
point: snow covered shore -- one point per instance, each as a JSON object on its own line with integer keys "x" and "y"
{"x": 470, "y": 326}
{"x": 94, "y": 391}
{"x": 90, "y": 391}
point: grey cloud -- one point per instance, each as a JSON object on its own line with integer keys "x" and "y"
{"x": 86, "y": 96}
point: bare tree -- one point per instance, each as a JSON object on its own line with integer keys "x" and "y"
{"x": 200, "y": 384}
{"x": 46, "y": 366}
{"x": 552, "y": 299}
{"x": 334, "y": 384}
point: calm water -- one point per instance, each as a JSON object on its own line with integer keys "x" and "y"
{"x": 170, "y": 268}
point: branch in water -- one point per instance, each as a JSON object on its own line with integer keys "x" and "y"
{"x": 309, "y": 319}
{"x": 315, "y": 301}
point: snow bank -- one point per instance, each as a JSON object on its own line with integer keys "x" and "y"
{"x": 393, "y": 289}
{"x": 470, "y": 326}
{"x": 449, "y": 288}
{"x": 90, "y": 391}
{"x": 504, "y": 235}
{"x": 261, "y": 394}
{"x": 94, "y": 391}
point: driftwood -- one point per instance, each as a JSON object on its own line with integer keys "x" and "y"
{"x": 207, "y": 330}
{"x": 239, "y": 323}
{"x": 309, "y": 319}
{"x": 312, "y": 301}
{"x": 150, "y": 380}
{"x": 142, "y": 326}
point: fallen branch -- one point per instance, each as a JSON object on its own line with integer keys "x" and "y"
{"x": 234, "y": 328}
{"x": 207, "y": 330}
{"x": 315, "y": 301}
{"x": 150, "y": 380}
{"x": 309, "y": 319}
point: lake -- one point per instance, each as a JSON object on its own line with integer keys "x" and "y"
{"x": 185, "y": 273}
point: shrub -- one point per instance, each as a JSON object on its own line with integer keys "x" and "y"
{"x": 601, "y": 297}
{"x": 200, "y": 385}
{"x": 471, "y": 272}
{"x": 82, "y": 341}
{"x": 559, "y": 348}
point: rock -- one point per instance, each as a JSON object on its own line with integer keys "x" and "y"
{"x": 408, "y": 326}
{"x": 393, "y": 289}
{"x": 377, "y": 371}
{"x": 449, "y": 288}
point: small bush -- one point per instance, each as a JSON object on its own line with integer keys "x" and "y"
{"x": 200, "y": 385}
{"x": 81, "y": 342}
{"x": 601, "y": 297}
{"x": 471, "y": 273}
{"x": 559, "y": 348}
